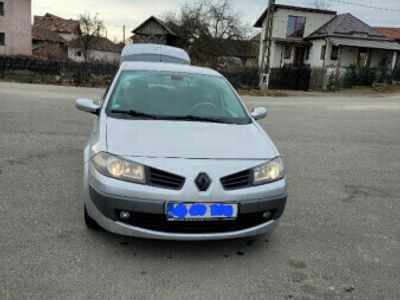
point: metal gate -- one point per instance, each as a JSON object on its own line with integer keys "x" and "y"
{"x": 290, "y": 79}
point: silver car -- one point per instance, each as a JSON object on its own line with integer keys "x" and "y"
{"x": 174, "y": 154}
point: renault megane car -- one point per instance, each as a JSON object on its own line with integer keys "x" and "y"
{"x": 174, "y": 154}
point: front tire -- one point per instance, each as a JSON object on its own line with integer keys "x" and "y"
{"x": 90, "y": 223}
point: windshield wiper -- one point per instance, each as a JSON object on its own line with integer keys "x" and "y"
{"x": 138, "y": 114}
{"x": 134, "y": 113}
{"x": 196, "y": 118}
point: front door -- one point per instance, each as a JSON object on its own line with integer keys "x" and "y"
{"x": 299, "y": 56}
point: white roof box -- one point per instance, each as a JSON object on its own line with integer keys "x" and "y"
{"x": 154, "y": 53}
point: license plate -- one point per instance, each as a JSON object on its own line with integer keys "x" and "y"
{"x": 201, "y": 211}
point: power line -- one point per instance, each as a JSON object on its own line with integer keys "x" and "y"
{"x": 365, "y": 6}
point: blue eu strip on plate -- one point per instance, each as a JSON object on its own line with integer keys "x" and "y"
{"x": 201, "y": 211}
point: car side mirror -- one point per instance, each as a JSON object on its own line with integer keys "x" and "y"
{"x": 87, "y": 105}
{"x": 259, "y": 113}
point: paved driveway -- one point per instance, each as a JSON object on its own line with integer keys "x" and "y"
{"x": 339, "y": 237}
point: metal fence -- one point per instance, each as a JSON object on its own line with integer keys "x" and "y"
{"x": 290, "y": 79}
{"x": 243, "y": 77}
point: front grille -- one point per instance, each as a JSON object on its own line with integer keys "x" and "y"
{"x": 165, "y": 180}
{"x": 159, "y": 222}
{"x": 237, "y": 180}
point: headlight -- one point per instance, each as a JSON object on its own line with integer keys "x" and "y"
{"x": 272, "y": 170}
{"x": 118, "y": 168}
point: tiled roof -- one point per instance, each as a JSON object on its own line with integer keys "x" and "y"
{"x": 97, "y": 43}
{"x": 290, "y": 7}
{"x": 58, "y": 24}
{"x": 43, "y": 34}
{"x": 347, "y": 30}
{"x": 349, "y": 26}
{"x": 392, "y": 33}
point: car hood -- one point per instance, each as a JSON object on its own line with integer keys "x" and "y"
{"x": 194, "y": 140}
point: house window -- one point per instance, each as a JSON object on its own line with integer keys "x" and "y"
{"x": 287, "y": 52}
{"x": 79, "y": 53}
{"x": 2, "y": 39}
{"x": 1, "y": 8}
{"x": 307, "y": 53}
{"x": 323, "y": 52}
{"x": 295, "y": 28}
{"x": 362, "y": 58}
{"x": 335, "y": 53}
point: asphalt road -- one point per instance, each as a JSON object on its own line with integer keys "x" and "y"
{"x": 339, "y": 237}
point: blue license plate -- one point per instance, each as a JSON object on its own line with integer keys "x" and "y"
{"x": 201, "y": 211}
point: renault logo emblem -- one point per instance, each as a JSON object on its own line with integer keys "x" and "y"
{"x": 203, "y": 182}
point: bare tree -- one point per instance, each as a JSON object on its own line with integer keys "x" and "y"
{"x": 322, "y": 4}
{"x": 224, "y": 22}
{"x": 91, "y": 27}
{"x": 205, "y": 27}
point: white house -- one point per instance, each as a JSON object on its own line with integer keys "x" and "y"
{"x": 100, "y": 49}
{"x": 290, "y": 25}
{"x": 322, "y": 39}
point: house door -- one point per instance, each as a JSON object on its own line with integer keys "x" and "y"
{"x": 299, "y": 56}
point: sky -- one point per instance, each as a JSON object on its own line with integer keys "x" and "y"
{"x": 131, "y": 13}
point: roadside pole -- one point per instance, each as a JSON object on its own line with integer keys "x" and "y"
{"x": 266, "y": 57}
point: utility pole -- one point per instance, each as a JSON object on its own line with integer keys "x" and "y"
{"x": 266, "y": 57}
{"x": 123, "y": 34}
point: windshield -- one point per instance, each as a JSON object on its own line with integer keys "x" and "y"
{"x": 175, "y": 96}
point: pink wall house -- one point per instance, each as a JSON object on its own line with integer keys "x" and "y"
{"x": 15, "y": 27}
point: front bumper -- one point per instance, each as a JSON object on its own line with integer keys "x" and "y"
{"x": 148, "y": 220}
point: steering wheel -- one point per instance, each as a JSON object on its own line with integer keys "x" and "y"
{"x": 200, "y": 106}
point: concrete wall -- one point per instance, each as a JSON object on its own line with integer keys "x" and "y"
{"x": 349, "y": 56}
{"x": 278, "y": 60}
{"x": 381, "y": 56}
{"x": 313, "y": 21}
{"x": 94, "y": 55}
{"x": 314, "y": 58}
{"x": 16, "y": 25}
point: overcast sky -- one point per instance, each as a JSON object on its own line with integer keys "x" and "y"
{"x": 116, "y": 13}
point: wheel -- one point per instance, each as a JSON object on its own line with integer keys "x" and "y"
{"x": 92, "y": 224}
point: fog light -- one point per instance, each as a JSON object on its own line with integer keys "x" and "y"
{"x": 267, "y": 215}
{"x": 124, "y": 215}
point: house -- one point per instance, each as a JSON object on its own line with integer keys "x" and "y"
{"x": 48, "y": 44}
{"x": 68, "y": 29}
{"x": 58, "y": 38}
{"x": 99, "y": 49}
{"x": 346, "y": 41}
{"x": 50, "y": 36}
{"x": 290, "y": 25}
{"x": 154, "y": 31}
{"x": 15, "y": 27}
{"x": 323, "y": 39}
{"x": 390, "y": 32}
{"x": 394, "y": 34}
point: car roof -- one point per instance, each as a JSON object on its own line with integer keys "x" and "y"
{"x": 167, "y": 67}
{"x": 155, "y": 53}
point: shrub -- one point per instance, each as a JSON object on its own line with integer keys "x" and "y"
{"x": 331, "y": 86}
{"x": 364, "y": 76}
